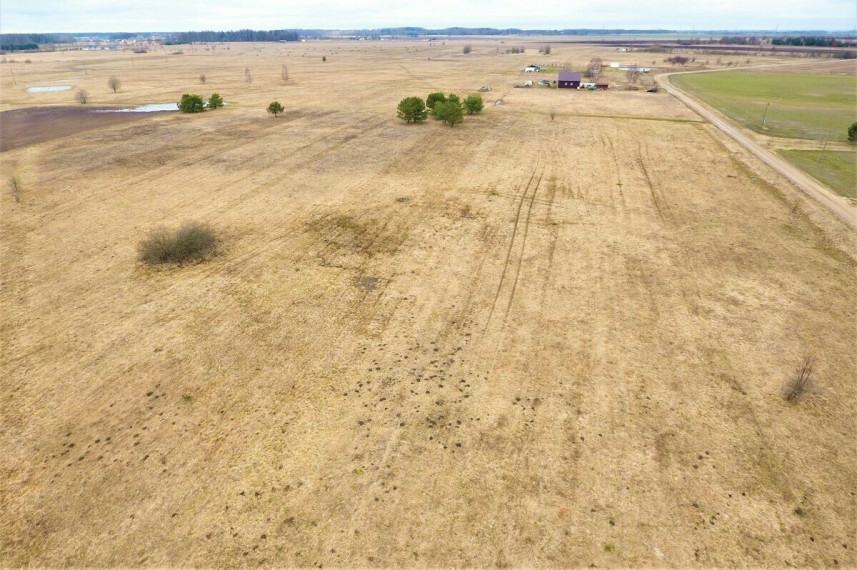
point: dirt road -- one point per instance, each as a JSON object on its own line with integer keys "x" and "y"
{"x": 807, "y": 184}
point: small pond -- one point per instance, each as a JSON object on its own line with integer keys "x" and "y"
{"x": 48, "y": 89}
{"x": 150, "y": 108}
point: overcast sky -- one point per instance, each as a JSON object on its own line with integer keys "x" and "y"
{"x": 188, "y": 15}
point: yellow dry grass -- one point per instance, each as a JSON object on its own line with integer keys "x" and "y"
{"x": 567, "y": 347}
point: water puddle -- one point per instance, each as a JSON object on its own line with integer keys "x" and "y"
{"x": 48, "y": 89}
{"x": 368, "y": 283}
{"x": 150, "y": 108}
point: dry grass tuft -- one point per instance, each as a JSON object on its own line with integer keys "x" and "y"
{"x": 17, "y": 190}
{"x": 801, "y": 381}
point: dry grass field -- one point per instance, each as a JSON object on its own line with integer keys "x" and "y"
{"x": 523, "y": 341}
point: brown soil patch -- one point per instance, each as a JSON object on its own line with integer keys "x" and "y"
{"x": 23, "y": 127}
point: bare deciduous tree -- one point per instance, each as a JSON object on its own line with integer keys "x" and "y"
{"x": 593, "y": 69}
{"x": 284, "y": 73}
{"x": 633, "y": 73}
{"x": 114, "y": 83}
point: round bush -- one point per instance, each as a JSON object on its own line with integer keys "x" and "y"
{"x": 193, "y": 241}
{"x": 191, "y": 103}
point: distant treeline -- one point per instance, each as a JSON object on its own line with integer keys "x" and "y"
{"x": 801, "y": 41}
{"x": 741, "y": 40}
{"x": 457, "y": 31}
{"x": 232, "y": 36}
{"x": 813, "y": 41}
{"x": 21, "y": 42}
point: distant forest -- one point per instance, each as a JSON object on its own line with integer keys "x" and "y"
{"x": 233, "y": 36}
{"x": 416, "y": 32}
{"x": 19, "y": 42}
{"x": 813, "y": 41}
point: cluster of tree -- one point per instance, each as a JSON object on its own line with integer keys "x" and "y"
{"x": 232, "y": 36}
{"x": 678, "y": 60}
{"x": 813, "y": 41}
{"x": 447, "y": 108}
{"x": 740, "y": 40}
{"x": 545, "y": 50}
{"x": 192, "y": 103}
{"x": 515, "y": 50}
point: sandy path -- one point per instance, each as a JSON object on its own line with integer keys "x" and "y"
{"x": 806, "y": 183}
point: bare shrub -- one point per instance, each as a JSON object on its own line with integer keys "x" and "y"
{"x": 466, "y": 49}
{"x": 202, "y": 78}
{"x": 193, "y": 241}
{"x": 82, "y": 97}
{"x": 801, "y": 381}
{"x": 114, "y": 84}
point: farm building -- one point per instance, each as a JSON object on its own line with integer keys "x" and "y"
{"x": 569, "y": 79}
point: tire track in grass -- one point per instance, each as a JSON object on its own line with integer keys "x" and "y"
{"x": 649, "y": 183}
{"x": 507, "y": 261}
{"x": 619, "y": 182}
{"x": 667, "y": 215}
{"x": 523, "y": 248}
{"x": 533, "y": 184}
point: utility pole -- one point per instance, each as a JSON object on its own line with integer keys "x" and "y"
{"x": 765, "y": 118}
{"x": 824, "y": 144}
